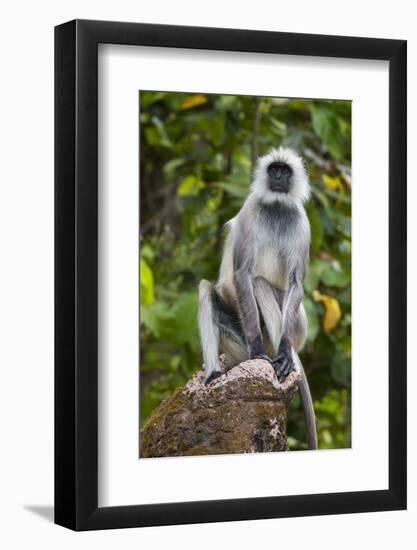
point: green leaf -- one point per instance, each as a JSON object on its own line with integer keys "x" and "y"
{"x": 191, "y": 185}
{"x": 341, "y": 370}
{"x": 171, "y": 166}
{"x": 226, "y": 102}
{"x": 233, "y": 189}
{"x": 323, "y": 200}
{"x": 146, "y": 284}
{"x": 152, "y": 135}
{"x": 279, "y": 127}
{"x": 149, "y": 98}
{"x": 326, "y": 125}
{"x": 185, "y": 313}
{"x": 314, "y": 271}
{"x": 333, "y": 275}
{"x": 317, "y": 231}
{"x": 213, "y": 128}
{"x": 344, "y": 224}
{"x": 156, "y": 318}
{"x": 333, "y": 417}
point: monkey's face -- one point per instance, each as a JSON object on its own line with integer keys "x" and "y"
{"x": 281, "y": 176}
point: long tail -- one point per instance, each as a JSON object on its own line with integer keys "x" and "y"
{"x": 309, "y": 416}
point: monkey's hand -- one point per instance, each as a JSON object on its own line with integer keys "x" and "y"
{"x": 283, "y": 364}
{"x": 215, "y": 374}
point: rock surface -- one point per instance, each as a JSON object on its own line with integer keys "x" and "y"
{"x": 242, "y": 411}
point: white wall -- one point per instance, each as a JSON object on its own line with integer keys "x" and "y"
{"x": 26, "y": 291}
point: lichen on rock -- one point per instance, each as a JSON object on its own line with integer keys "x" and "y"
{"x": 242, "y": 411}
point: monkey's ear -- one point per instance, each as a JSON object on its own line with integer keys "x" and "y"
{"x": 305, "y": 165}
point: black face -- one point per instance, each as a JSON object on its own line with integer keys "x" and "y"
{"x": 279, "y": 177}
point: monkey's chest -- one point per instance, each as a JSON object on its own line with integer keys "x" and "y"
{"x": 271, "y": 265}
{"x": 275, "y": 240}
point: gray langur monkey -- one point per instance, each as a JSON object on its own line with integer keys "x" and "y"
{"x": 255, "y": 309}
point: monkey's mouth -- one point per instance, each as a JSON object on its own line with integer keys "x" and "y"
{"x": 279, "y": 187}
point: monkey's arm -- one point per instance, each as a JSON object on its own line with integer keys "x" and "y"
{"x": 242, "y": 279}
{"x": 284, "y": 363}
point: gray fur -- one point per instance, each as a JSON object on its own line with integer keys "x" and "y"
{"x": 257, "y": 300}
{"x": 270, "y": 304}
{"x": 209, "y": 329}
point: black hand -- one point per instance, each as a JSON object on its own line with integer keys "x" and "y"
{"x": 215, "y": 374}
{"x": 283, "y": 364}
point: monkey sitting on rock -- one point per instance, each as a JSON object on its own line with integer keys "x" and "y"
{"x": 255, "y": 309}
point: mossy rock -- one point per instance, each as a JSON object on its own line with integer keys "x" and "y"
{"x": 242, "y": 411}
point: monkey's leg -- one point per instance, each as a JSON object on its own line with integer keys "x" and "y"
{"x": 220, "y": 330}
{"x": 270, "y": 303}
{"x": 269, "y": 300}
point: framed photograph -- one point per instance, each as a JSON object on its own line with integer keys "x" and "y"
{"x": 230, "y": 275}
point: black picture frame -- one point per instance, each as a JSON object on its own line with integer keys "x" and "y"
{"x": 76, "y": 272}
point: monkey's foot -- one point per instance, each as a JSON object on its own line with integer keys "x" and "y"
{"x": 215, "y": 374}
{"x": 283, "y": 364}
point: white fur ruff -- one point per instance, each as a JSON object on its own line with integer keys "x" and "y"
{"x": 300, "y": 189}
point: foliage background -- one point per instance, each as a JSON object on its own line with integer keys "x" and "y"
{"x": 197, "y": 153}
